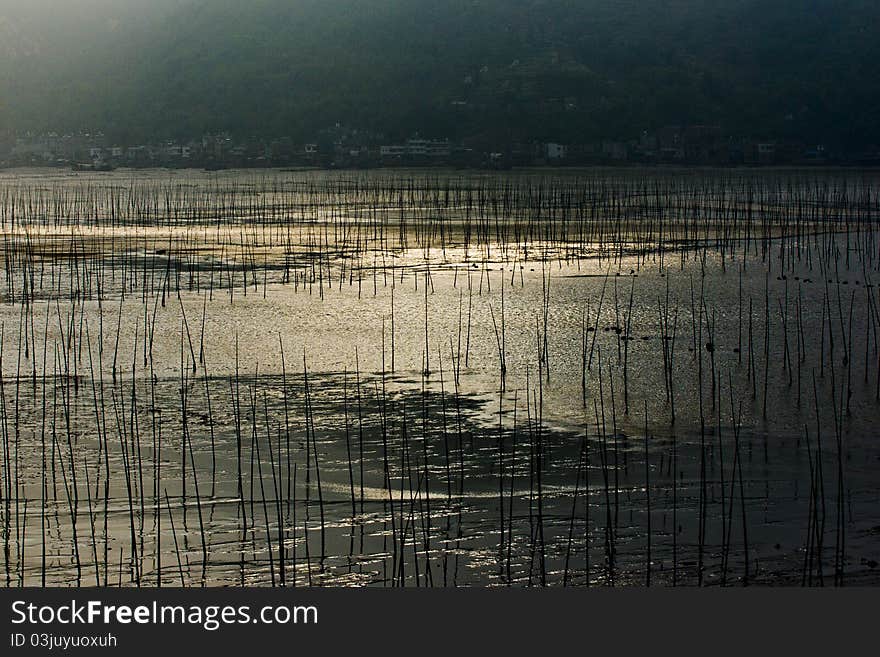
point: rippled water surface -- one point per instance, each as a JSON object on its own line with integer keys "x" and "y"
{"x": 445, "y": 380}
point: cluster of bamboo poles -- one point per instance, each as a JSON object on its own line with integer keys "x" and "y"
{"x": 155, "y": 238}
{"x": 157, "y": 464}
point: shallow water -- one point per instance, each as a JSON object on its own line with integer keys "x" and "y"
{"x": 647, "y": 425}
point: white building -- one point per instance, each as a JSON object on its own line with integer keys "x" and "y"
{"x": 554, "y": 151}
{"x": 419, "y": 148}
{"x": 392, "y": 151}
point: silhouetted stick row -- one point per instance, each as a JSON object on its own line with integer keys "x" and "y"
{"x": 117, "y": 449}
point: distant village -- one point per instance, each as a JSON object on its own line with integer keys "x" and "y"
{"x": 345, "y": 147}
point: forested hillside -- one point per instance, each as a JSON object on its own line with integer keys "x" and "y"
{"x": 515, "y": 69}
